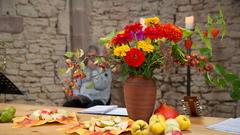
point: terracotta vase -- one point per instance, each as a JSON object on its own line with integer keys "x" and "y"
{"x": 139, "y": 97}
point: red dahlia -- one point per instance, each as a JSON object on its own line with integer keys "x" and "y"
{"x": 172, "y": 32}
{"x": 154, "y": 32}
{"x": 135, "y": 27}
{"x": 134, "y": 57}
{"x": 122, "y": 38}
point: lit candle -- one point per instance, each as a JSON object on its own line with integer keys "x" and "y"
{"x": 189, "y": 22}
{"x": 142, "y": 21}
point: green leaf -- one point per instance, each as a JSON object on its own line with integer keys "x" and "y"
{"x": 98, "y": 60}
{"x": 204, "y": 39}
{"x": 123, "y": 77}
{"x": 205, "y": 51}
{"x": 219, "y": 69}
{"x": 221, "y": 21}
{"x": 186, "y": 33}
{"x": 194, "y": 46}
{"x": 207, "y": 77}
{"x": 230, "y": 77}
{"x": 202, "y": 64}
{"x": 105, "y": 40}
{"x": 82, "y": 66}
{"x": 210, "y": 20}
{"x": 79, "y": 53}
{"x": 69, "y": 54}
{"x": 235, "y": 93}
{"x": 178, "y": 53}
{"x": 222, "y": 83}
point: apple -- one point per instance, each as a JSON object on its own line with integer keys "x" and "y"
{"x": 140, "y": 127}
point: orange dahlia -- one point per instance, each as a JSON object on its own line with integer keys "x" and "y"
{"x": 134, "y": 57}
{"x": 172, "y": 32}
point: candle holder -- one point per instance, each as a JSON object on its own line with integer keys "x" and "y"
{"x": 191, "y": 104}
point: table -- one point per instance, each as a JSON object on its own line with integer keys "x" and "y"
{"x": 197, "y": 128}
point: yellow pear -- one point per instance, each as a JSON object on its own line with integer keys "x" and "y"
{"x": 140, "y": 127}
{"x": 184, "y": 122}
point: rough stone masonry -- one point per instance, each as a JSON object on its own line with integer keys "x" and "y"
{"x": 33, "y": 54}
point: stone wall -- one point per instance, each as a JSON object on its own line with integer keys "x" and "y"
{"x": 33, "y": 54}
{"x": 108, "y": 15}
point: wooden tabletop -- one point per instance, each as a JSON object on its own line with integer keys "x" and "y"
{"x": 197, "y": 127}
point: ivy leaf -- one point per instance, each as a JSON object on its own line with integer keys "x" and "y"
{"x": 69, "y": 54}
{"x": 219, "y": 69}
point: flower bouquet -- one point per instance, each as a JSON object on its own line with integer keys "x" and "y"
{"x": 144, "y": 46}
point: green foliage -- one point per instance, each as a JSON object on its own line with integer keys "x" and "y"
{"x": 78, "y": 53}
{"x": 69, "y": 54}
{"x": 186, "y": 33}
{"x": 106, "y": 39}
{"x": 178, "y": 53}
{"x": 206, "y": 52}
{"x": 219, "y": 69}
{"x": 225, "y": 79}
{"x": 221, "y": 22}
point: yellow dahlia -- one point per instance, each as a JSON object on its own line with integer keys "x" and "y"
{"x": 121, "y": 50}
{"x": 146, "y": 45}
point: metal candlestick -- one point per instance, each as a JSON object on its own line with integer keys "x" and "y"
{"x": 188, "y": 76}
